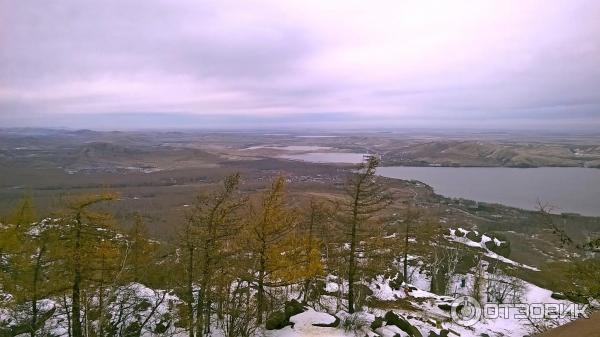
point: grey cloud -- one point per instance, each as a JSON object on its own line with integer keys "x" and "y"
{"x": 80, "y": 39}
{"x": 252, "y": 59}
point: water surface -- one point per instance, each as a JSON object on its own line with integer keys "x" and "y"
{"x": 570, "y": 189}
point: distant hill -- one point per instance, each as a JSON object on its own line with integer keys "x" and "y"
{"x": 477, "y": 153}
{"x": 106, "y": 150}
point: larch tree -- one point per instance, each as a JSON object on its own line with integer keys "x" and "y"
{"x": 316, "y": 218}
{"x": 142, "y": 253}
{"x": 24, "y": 213}
{"x": 105, "y": 267}
{"x": 15, "y": 226}
{"x": 214, "y": 220}
{"x": 141, "y": 265}
{"x": 187, "y": 261}
{"x": 411, "y": 218}
{"x": 27, "y": 272}
{"x": 582, "y": 271}
{"x": 365, "y": 199}
{"x": 277, "y": 255}
{"x": 440, "y": 258}
{"x": 203, "y": 248}
{"x": 236, "y": 307}
{"x": 82, "y": 229}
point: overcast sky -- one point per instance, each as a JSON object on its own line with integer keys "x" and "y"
{"x": 148, "y": 63}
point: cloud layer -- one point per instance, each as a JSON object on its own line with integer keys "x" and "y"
{"x": 392, "y": 62}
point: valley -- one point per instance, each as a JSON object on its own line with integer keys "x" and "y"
{"x": 160, "y": 174}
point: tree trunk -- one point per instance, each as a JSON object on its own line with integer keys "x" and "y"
{"x": 260, "y": 296}
{"x": 190, "y": 291}
{"x": 101, "y": 306}
{"x": 308, "y": 252}
{"x": 68, "y": 314}
{"x": 203, "y": 304}
{"x": 306, "y": 289}
{"x": 351, "y": 269}
{"x": 200, "y": 306}
{"x": 352, "y": 261}
{"x": 405, "y": 269}
{"x": 76, "y": 296}
{"x": 207, "y": 313}
{"x": 34, "y": 298}
{"x": 433, "y": 286}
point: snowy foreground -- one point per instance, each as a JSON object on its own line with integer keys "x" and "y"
{"x": 427, "y": 317}
{"x": 419, "y": 312}
{"x": 424, "y": 314}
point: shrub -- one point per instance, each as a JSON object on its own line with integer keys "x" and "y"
{"x": 473, "y": 236}
{"x": 377, "y": 323}
{"x": 277, "y": 320}
{"x": 353, "y": 323}
{"x": 292, "y": 308}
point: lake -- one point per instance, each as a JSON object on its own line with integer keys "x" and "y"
{"x": 570, "y": 189}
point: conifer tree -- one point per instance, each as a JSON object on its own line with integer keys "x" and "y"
{"x": 270, "y": 223}
{"x": 411, "y": 217}
{"x": 582, "y": 270}
{"x": 277, "y": 255}
{"x": 142, "y": 253}
{"x": 24, "y": 213}
{"x": 82, "y": 229}
{"x": 214, "y": 221}
{"x": 316, "y": 218}
{"x": 366, "y": 198}
{"x": 187, "y": 256}
{"x": 27, "y": 272}
{"x": 105, "y": 266}
{"x": 204, "y": 246}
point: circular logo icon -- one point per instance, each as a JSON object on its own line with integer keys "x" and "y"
{"x": 465, "y": 311}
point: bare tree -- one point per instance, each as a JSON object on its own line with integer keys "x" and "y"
{"x": 478, "y": 279}
{"x": 411, "y": 217}
{"x": 545, "y": 210}
{"x": 502, "y": 288}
